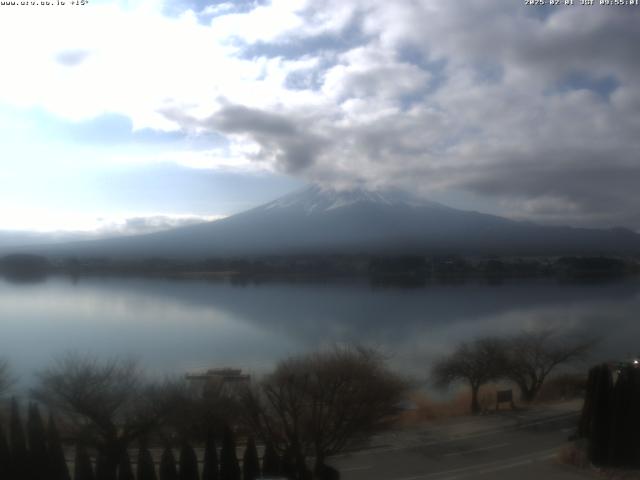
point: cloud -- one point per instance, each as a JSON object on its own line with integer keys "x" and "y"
{"x": 534, "y": 110}
{"x": 239, "y": 119}
{"x": 528, "y": 110}
{"x": 292, "y": 148}
{"x": 147, "y": 224}
{"x": 20, "y": 219}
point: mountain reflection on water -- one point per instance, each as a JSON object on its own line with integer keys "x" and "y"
{"x": 173, "y": 326}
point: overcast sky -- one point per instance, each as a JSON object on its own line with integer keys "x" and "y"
{"x": 116, "y": 112}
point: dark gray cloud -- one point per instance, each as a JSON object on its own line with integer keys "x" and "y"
{"x": 239, "y": 119}
{"x": 293, "y": 147}
{"x": 287, "y": 143}
{"x": 536, "y": 111}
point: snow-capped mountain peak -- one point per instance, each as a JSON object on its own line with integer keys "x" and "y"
{"x": 319, "y": 220}
{"x": 317, "y": 199}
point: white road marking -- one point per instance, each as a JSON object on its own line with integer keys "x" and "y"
{"x": 475, "y": 450}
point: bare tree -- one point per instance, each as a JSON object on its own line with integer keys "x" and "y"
{"x": 192, "y": 413}
{"x": 532, "y": 356}
{"x": 476, "y": 363}
{"x": 108, "y": 401}
{"x": 319, "y": 404}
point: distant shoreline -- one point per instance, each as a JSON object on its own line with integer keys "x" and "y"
{"x": 402, "y": 270}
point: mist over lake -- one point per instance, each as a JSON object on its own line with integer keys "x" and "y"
{"x": 174, "y": 326}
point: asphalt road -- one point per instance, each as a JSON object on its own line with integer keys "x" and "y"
{"x": 518, "y": 447}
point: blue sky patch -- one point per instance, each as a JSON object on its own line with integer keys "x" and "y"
{"x": 349, "y": 37}
{"x": 601, "y": 86}
{"x": 174, "y": 9}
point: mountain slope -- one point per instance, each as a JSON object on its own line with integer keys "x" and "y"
{"x": 319, "y": 221}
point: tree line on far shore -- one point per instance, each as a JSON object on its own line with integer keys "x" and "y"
{"x": 409, "y": 270}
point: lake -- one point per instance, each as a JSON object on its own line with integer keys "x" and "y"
{"x": 175, "y": 326}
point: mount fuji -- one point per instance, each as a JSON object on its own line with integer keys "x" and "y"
{"x": 317, "y": 220}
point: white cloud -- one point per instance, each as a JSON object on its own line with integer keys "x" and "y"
{"x": 134, "y": 61}
{"x": 431, "y": 95}
{"x": 148, "y": 223}
{"x": 263, "y": 23}
{"x": 46, "y": 220}
{"x": 219, "y": 9}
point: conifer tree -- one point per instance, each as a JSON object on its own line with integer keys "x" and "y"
{"x": 250, "y": 462}
{"x": 103, "y": 468}
{"x": 600, "y": 429}
{"x": 188, "y": 463}
{"x": 56, "y": 461}
{"x": 5, "y": 456}
{"x": 83, "y": 467}
{"x": 168, "y": 465}
{"x": 19, "y": 453}
{"x": 125, "y": 472}
{"x": 36, "y": 435}
{"x": 270, "y": 461}
{"x": 289, "y": 464}
{"x": 586, "y": 417}
{"x": 146, "y": 468}
{"x": 624, "y": 445}
{"x": 210, "y": 469}
{"x": 302, "y": 469}
{"x": 598, "y": 414}
{"x": 229, "y": 467}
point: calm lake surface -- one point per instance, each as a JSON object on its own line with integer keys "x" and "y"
{"x": 174, "y": 326}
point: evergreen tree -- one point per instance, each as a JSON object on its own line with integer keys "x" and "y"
{"x": 270, "y": 461}
{"x": 146, "y": 468}
{"x": 229, "y": 468}
{"x": 625, "y": 442}
{"x": 601, "y": 436}
{"x": 610, "y": 417}
{"x": 634, "y": 419}
{"x": 210, "y": 469}
{"x": 104, "y": 471}
{"x": 168, "y": 465}
{"x": 56, "y": 461}
{"x": 83, "y": 467}
{"x": 599, "y": 421}
{"x": 188, "y": 463}
{"x": 584, "y": 425}
{"x": 250, "y": 462}
{"x": 325, "y": 472}
{"x": 125, "y": 472}
{"x": 37, "y": 440}
{"x": 19, "y": 453}
{"x": 5, "y": 456}
{"x": 289, "y": 464}
{"x": 303, "y": 472}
